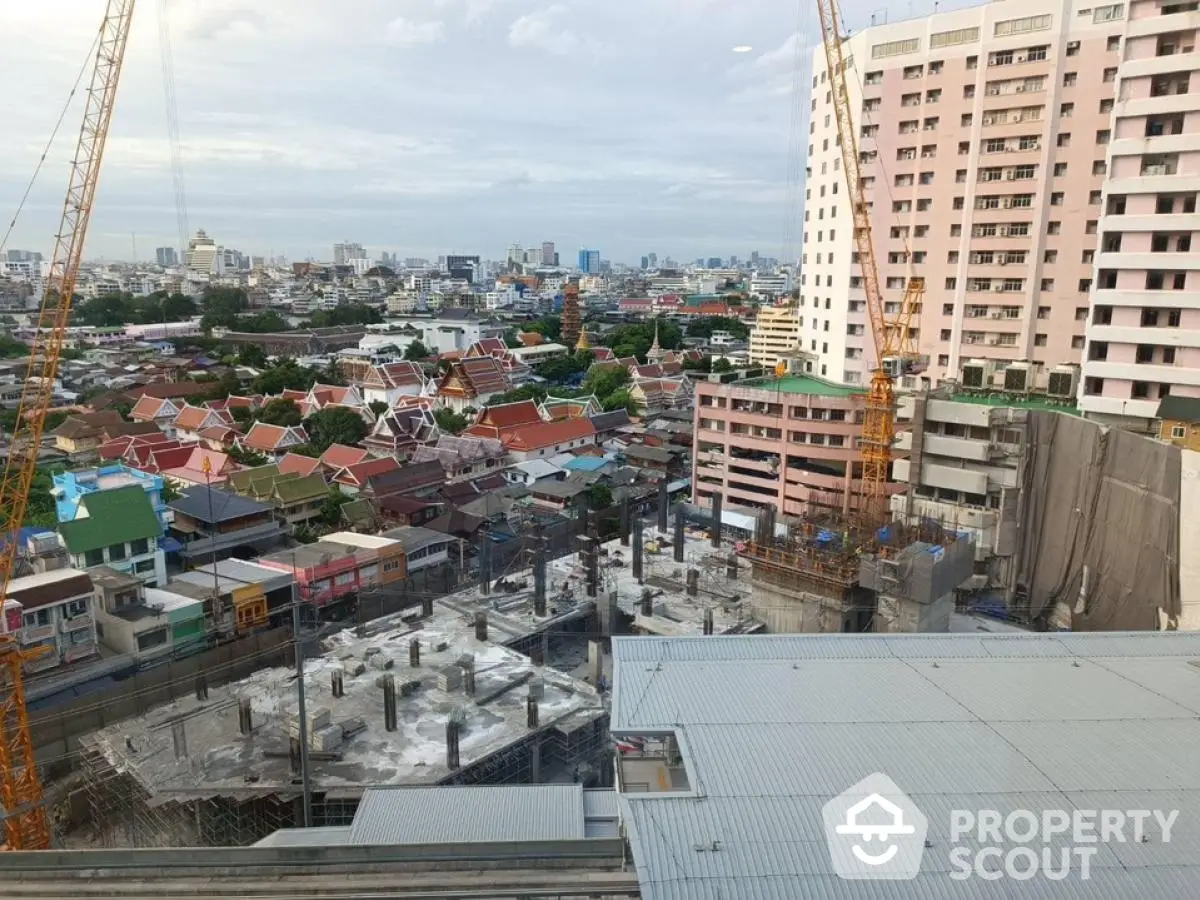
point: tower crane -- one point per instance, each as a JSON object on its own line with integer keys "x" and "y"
{"x": 895, "y": 350}
{"x": 22, "y": 809}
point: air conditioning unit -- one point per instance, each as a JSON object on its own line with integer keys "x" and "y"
{"x": 997, "y": 288}
{"x": 1020, "y": 89}
{"x": 977, "y": 374}
{"x": 1020, "y": 57}
{"x": 1003, "y": 232}
{"x": 1002, "y": 261}
{"x": 997, "y": 315}
{"x": 1019, "y": 377}
{"x": 1063, "y": 382}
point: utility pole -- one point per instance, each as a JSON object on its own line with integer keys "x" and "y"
{"x": 306, "y": 784}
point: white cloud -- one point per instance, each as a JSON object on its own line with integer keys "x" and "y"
{"x": 401, "y": 32}
{"x": 539, "y": 30}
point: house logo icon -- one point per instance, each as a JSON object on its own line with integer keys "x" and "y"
{"x": 875, "y": 831}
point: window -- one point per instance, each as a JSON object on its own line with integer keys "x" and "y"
{"x": 1060, "y": 169}
{"x": 968, "y": 91}
{"x": 1085, "y": 285}
{"x": 1110, "y": 74}
{"x": 1070, "y": 78}
{"x": 1064, "y": 140}
{"x": 895, "y": 48}
{"x": 1072, "y": 48}
{"x": 1178, "y": 431}
{"x": 1099, "y": 167}
{"x": 117, "y": 551}
{"x": 1106, "y": 105}
{"x": 952, "y": 38}
{"x": 1056, "y": 198}
{"x": 1022, "y": 25}
{"x": 933, "y": 96}
{"x": 1111, "y": 13}
{"x": 936, "y": 67}
{"x": 913, "y": 71}
{"x": 1053, "y": 227}
{"x": 1103, "y": 136}
{"x": 1094, "y": 198}
{"x": 138, "y": 547}
{"x": 1113, "y": 43}
{"x": 1066, "y": 109}
{"x": 1050, "y": 256}
{"x": 966, "y": 120}
{"x": 93, "y": 558}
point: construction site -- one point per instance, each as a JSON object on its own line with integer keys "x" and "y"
{"x": 399, "y": 701}
{"x": 828, "y": 573}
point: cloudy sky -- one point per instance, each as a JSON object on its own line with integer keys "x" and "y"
{"x": 427, "y": 126}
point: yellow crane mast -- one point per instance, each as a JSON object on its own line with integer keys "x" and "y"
{"x": 895, "y": 351}
{"x": 21, "y": 801}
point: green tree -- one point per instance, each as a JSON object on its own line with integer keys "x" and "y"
{"x": 267, "y": 322}
{"x": 246, "y": 457}
{"x": 170, "y": 491}
{"x": 619, "y": 400}
{"x": 221, "y": 307}
{"x": 12, "y": 349}
{"x": 252, "y": 355}
{"x": 279, "y": 411}
{"x": 722, "y": 365}
{"x": 378, "y": 407}
{"x": 416, "y": 351}
{"x": 603, "y": 381}
{"x": 286, "y": 374}
{"x": 636, "y": 340}
{"x": 703, "y": 365}
{"x": 599, "y": 496}
{"x": 331, "y": 507}
{"x": 449, "y": 421}
{"x": 549, "y": 327}
{"x": 350, "y": 314}
{"x": 242, "y": 415}
{"x": 334, "y": 425}
{"x": 511, "y": 341}
{"x": 535, "y": 392}
{"x": 564, "y": 368}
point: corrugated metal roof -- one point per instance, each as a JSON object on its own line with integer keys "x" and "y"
{"x": 323, "y": 836}
{"x": 773, "y": 727}
{"x": 431, "y": 815}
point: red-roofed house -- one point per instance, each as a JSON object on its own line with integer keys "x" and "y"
{"x": 603, "y": 354}
{"x": 192, "y": 471}
{"x": 273, "y": 440}
{"x": 661, "y": 393}
{"x": 219, "y": 437}
{"x": 235, "y": 402}
{"x": 546, "y": 439}
{"x": 141, "y": 456}
{"x": 159, "y": 410}
{"x": 354, "y": 478}
{"x": 401, "y": 431}
{"x": 518, "y": 372}
{"x": 117, "y": 447}
{"x": 299, "y": 464}
{"x": 471, "y": 383}
{"x": 495, "y": 421}
{"x": 340, "y": 456}
{"x": 194, "y": 419}
{"x": 389, "y": 382}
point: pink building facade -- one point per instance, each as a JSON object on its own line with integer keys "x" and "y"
{"x": 789, "y": 442}
{"x": 1143, "y": 334}
{"x": 983, "y": 136}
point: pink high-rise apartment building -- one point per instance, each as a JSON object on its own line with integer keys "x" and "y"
{"x": 983, "y": 136}
{"x": 1143, "y": 334}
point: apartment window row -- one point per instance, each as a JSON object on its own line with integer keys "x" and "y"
{"x": 1113, "y": 12}
{"x": 1023, "y": 172}
{"x": 906, "y": 206}
{"x": 895, "y": 48}
{"x": 1005, "y": 229}
{"x": 983, "y": 337}
{"x": 1018, "y": 57}
{"x": 991, "y": 257}
{"x": 1164, "y": 204}
{"x": 1023, "y": 25}
{"x": 1012, "y": 116}
{"x": 953, "y": 38}
{"x": 996, "y": 285}
{"x": 909, "y": 180}
{"x": 1015, "y": 86}
{"x": 976, "y": 311}
{"x": 998, "y": 201}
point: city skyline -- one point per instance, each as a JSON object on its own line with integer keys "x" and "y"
{"x": 426, "y": 134}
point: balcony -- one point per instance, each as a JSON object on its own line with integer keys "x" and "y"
{"x": 75, "y": 623}
{"x": 36, "y": 633}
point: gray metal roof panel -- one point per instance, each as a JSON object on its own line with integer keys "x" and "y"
{"x": 431, "y": 815}
{"x": 600, "y": 804}
{"x": 321, "y": 836}
{"x": 771, "y": 728}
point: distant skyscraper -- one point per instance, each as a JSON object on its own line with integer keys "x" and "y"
{"x": 714, "y": 262}
{"x": 733, "y": 261}
{"x": 645, "y": 262}
{"x": 166, "y": 256}
{"x": 589, "y": 261}
{"x": 754, "y": 258}
{"x": 202, "y": 253}
{"x": 548, "y": 254}
{"x": 653, "y": 258}
{"x": 344, "y": 252}
{"x": 466, "y": 267}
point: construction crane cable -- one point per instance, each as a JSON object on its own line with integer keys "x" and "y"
{"x": 87, "y": 62}
{"x": 172, "y": 109}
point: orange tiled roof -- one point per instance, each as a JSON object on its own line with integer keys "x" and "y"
{"x": 548, "y": 434}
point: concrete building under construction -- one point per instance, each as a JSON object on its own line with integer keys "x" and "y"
{"x": 400, "y": 701}
{"x": 833, "y": 575}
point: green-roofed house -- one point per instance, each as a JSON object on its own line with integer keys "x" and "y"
{"x": 119, "y": 529}
{"x": 297, "y": 498}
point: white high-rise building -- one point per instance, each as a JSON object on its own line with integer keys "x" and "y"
{"x": 980, "y": 136}
{"x": 202, "y": 253}
{"x": 1143, "y": 328}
